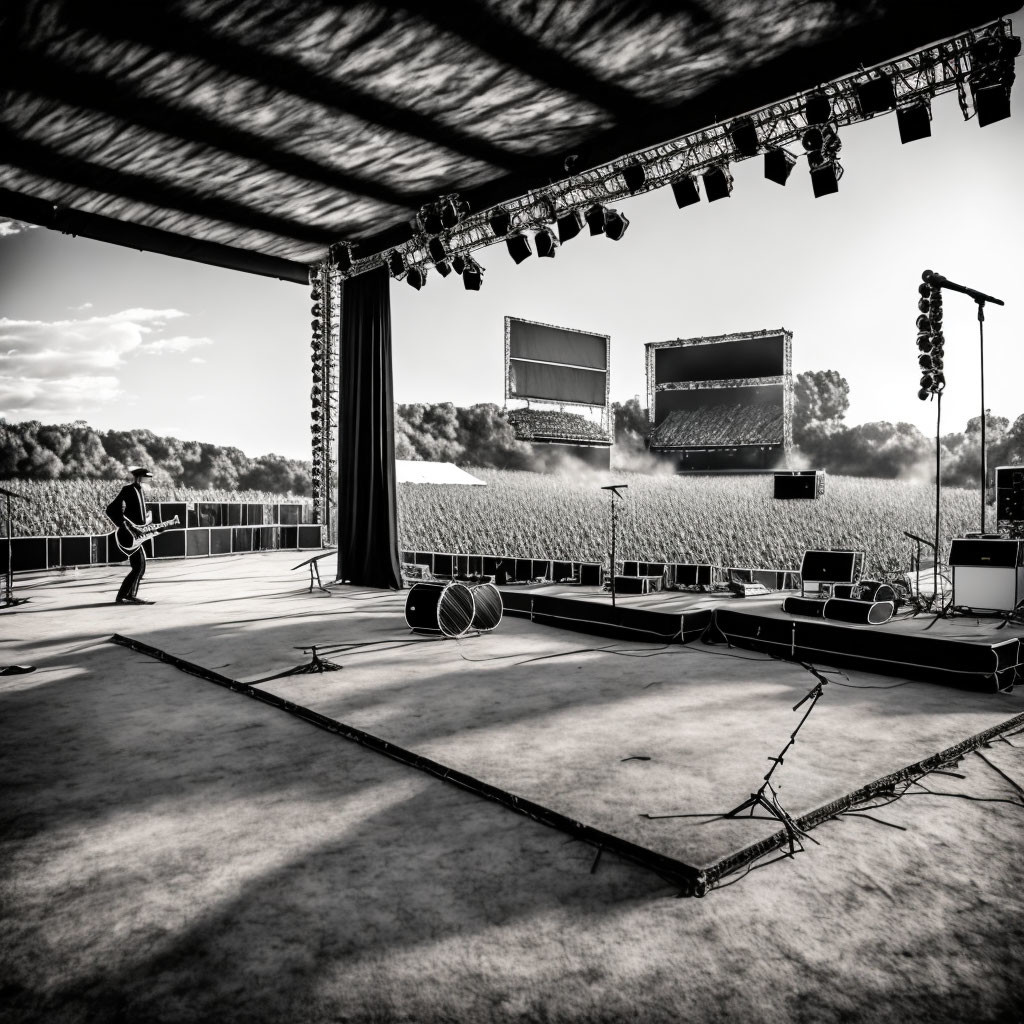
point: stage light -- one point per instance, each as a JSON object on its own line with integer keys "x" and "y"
{"x": 817, "y": 108}
{"x": 924, "y": 305}
{"x": 315, "y": 414}
{"x": 924, "y": 342}
{"x": 315, "y": 394}
{"x": 473, "y": 275}
{"x": 924, "y": 324}
{"x": 519, "y": 247}
{"x": 442, "y": 268}
{"x": 832, "y": 143}
{"x": 396, "y": 264}
{"x": 914, "y": 120}
{"x": 569, "y": 225}
{"x": 437, "y": 250}
{"x": 812, "y": 139}
{"x": 717, "y": 183}
{"x": 825, "y": 179}
{"x": 315, "y": 309}
{"x": 778, "y": 164}
{"x": 595, "y": 218}
{"x": 430, "y": 220}
{"x": 546, "y": 242}
{"x": 927, "y": 276}
{"x": 417, "y": 277}
{"x": 500, "y": 222}
{"x": 615, "y": 225}
{"x": 686, "y": 191}
{"x": 875, "y": 95}
{"x": 744, "y": 137}
{"x": 315, "y": 326}
{"x": 992, "y": 102}
{"x": 924, "y": 360}
{"x": 923, "y": 394}
{"x": 923, "y": 289}
{"x": 634, "y": 176}
{"x": 340, "y": 257}
{"x": 459, "y": 264}
{"x": 452, "y": 212}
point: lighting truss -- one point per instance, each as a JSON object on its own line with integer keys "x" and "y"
{"x": 325, "y": 291}
{"x": 943, "y": 67}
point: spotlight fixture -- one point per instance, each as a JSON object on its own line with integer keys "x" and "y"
{"x": 778, "y": 164}
{"x": 717, "y": 183}
{"x": 817, "y": 108}
{"x": 744, "y": 137}
{"x": 686, "y": 191}
{"x": 595, "y": 218}
{"x": 473, "y": 275}
{"x": 546, "y": 242}
{"x": 813, "y": 139}
{"x": 396, "y": 264}
{"x": 452, "y": 211}
{"x": 500, "y": 222}
{"x": 437, "y": 250}
{"x": 914, "y": 120}
{"x": 992, "y": 102}
{"x": 459, "y": 264}
{"x": 930, "y": 340}
{"x": 430, "y": 220}
{"x": 615, "y": 225}
{"x": 442, "y": 268}
{"x": 315, "y": 309}
{"x": 825, "y": 178}
{"x": 340, "y": 257}
{"x": 417, "y": 277}
{"x": 875, "y": 95}
{"x": 634, "y": 176}
{"x": 519, "y": 247}
{"x": 569, "y": 225}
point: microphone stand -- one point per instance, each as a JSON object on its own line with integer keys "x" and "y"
{"x": 614, "y": 488}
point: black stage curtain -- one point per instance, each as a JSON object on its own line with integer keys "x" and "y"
{"x": 367, "y": 498}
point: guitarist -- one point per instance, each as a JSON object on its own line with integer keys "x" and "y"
{"x": 128, "y": 510}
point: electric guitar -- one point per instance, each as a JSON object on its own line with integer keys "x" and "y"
{"x": 129, "y": 535}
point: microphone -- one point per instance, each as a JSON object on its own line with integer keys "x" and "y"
{"x": 938, "y": 281}
{"x": 614, "y": 488}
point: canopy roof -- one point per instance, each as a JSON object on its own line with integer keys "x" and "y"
{"x": 255, "y": 133}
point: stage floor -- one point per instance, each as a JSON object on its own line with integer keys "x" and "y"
{"x": 602, "y": 731}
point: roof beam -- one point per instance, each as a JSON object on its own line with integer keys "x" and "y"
{"x": 43, "y": 76}
{"x": 69, "y": 221}
{"x": 38, "y": 158}
{"x": 166, "y": 32}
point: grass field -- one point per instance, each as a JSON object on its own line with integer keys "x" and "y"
{"x": 730, "y": 520}
{"x": 724, "y": 520}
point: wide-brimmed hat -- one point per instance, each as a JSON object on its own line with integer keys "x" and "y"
{"x": 138, "y": 471}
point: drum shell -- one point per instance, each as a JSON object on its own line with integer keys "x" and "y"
{"x": 873, "y": 590}
{"x": 446, "y": 608}
{"x": 488, "y": 607}
{"x": 804, "y": 606}
{"x": 867, "y": 613}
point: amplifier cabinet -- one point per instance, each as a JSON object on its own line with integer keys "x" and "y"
{"x": 988, "y": 588}
{"x": 986, "y": 552}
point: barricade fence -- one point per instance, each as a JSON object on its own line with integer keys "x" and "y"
{"x": 206, "y": 528}
{"x": 518, "y": 569}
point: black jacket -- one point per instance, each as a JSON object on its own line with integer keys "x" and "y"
{"x": 129, "y": 504}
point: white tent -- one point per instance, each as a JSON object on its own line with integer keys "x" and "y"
{"x": 408, "y": 471}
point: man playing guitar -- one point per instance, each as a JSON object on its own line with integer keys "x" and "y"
{"x": 128, "y": 513}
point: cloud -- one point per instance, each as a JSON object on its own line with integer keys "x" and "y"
{"x": 14, "y": 227}
{"x": 179, "y": 343}
{"x": 34, "y": 398}
{"x": 197, "y": 359}
{"x": 82, "y": 308}
{"x": 48, "y": 368}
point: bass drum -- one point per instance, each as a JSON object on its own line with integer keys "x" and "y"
{"x": 440, "y": 608}
{"x": 489, "y": 607}
{"x": 873, "y": 590}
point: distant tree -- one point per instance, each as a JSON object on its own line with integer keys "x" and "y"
{"x": 881, "y": 449}
{"x": 821, "y": 399}
{"x": 488, "y": 439}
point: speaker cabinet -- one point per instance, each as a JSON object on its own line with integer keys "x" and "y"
{"x": 1010, "y": 494}
{"x": 804, "y": 606}
{"x": 802, "y": 484}
{"x": 828, "y": 566}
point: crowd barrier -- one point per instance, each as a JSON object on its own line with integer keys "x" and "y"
{"x": 207, "y": 528}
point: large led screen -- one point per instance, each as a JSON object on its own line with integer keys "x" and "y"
{"x": 556, "y": 364}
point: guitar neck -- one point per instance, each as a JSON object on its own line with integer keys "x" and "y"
{"x": 155, "y": 527}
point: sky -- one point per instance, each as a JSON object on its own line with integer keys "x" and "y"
{"x": 124, "y": 339}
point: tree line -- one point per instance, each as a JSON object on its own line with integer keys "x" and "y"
{"x": 480, "y": 435}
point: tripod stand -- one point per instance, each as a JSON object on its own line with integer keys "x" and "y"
{"x": 9, "y": 600}
{"x": 317, "y": 664}
{"x": 771, "y": 804}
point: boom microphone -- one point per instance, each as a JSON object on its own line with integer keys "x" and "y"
{"x": 938, "y": 281}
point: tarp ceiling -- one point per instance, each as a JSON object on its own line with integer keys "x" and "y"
{"x": 254, "y": 133}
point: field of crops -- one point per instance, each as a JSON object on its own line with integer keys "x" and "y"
{"x": 722, "y": 520}
{"x": 730, "y": 520}
{"x": 69, "y": 508}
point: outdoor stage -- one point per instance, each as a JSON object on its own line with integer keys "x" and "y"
{"x": 612, "y": 736}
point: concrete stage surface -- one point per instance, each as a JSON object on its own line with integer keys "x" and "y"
{"x": 603, "y": 731}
